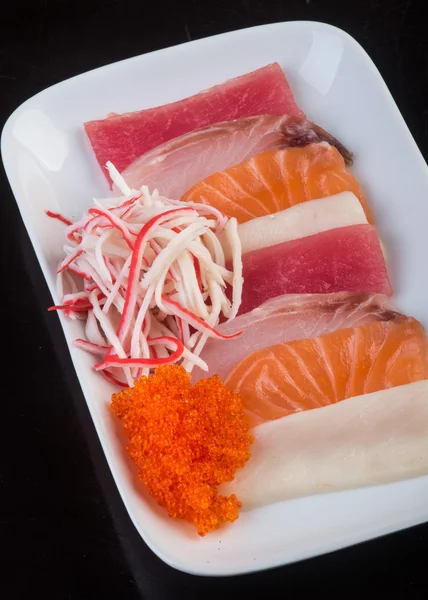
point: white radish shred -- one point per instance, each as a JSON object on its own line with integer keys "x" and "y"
{"x": 153, "y": 278}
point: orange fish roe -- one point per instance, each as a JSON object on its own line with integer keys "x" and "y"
{"x": 186, "y": 440}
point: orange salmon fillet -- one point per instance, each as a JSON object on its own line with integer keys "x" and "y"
{"x": 275, "y": 180}
{"x": 306, "y": 374}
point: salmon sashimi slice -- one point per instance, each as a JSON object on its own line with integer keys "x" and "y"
{"x": 287, "y": 318}
{"x": 277, "y": 179}
{"x": 346, "y": 259}
{"x": 368, "y": 440}
{"x": 122, "y": 138}
{"x": 306, "y": 374}
{"x": 301, "y": 220}
{"x": 176, "y": 165}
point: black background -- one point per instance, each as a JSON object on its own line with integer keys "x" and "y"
{"x": 64, "y": 532}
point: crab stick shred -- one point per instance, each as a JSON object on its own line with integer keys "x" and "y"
{"x": 59, "y": 217}
{"x": 150, "y": 268}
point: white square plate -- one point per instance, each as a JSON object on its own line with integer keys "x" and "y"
{"x": 50, "y": 166}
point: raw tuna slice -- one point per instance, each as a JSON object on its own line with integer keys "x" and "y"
{"x": 287, "y": 318}
{"x": 301, "y": 220}
{"x": 275, "y": 180}
{"x": 367, "y": 440}
{"x": 306, "y": 374}
{"x": 175, "y": 166}
{"x": 347, "y": 259}
{"x": 123, "y": 138}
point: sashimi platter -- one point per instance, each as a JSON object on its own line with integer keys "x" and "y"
{"x": 245, "y": 315}
{"x": 235, "y": 291}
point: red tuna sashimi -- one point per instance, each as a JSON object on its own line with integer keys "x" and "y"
{"x": 346, "y": 259}
{"x": 123, "y": 138}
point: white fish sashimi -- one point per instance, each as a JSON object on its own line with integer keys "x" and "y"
{"x": 290, "y": 317}
{"x": 175, "y": 166}
{"x": 367, "y": 440}
{"x": 301, "y": 220}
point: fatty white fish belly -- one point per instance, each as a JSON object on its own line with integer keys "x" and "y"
{"x": 366, "y": 440}
{"x": 287, "y": 318}
{"x": 301, "y": 220}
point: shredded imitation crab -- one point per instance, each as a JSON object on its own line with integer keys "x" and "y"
{"x": 152, "y": 277}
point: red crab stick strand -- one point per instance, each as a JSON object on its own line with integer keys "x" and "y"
{"x": 113, "y": 379}
{"x": 180, "y": 329}
{"x": 216, "y": 272}
{"x": 59, "y": 217}
{"x": 147, "y": 324}
{"x": 69, "y": 259}
{"x": 78, "y": 302}
{"x": 103, "y": 286}
{"x": 157, "y": 249}
{"x": 198, "y": 340}
{"x": 197, "y": 266}
{"x": 135, "y": 267}
{"x": 77, "y": 297}
{"x": 79, "y": 272}
{"x": 173, "y": 250}
{"x": 204, "y": 209}
{"x": 195, "y": 321}
{"x": 68, "y": 307}
{"x": 115, "y": 222}
{"x": 103, "y": 269}
{"x": 136, "y": 338}
{"x": 189, "y": 356}
{"x": 126, "y": 205}
{"x": 112, "y": 269}
{"x": 74, "y": 228}
{"x": 187, "y": 269}
{"x": 95, "y": 223}
{"x": 110, "y": 334}
{"x": 159, "y": 291}
{"x": 90, "y": 347}
{"x": 184, "y": 329}
{"x": 115, "y": 361}
{"x": 129, "y": 208}
{"x": 117, "y": 285}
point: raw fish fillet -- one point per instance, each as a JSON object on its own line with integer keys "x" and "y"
{"x": 301, "y": 220}
{"x": 306, "y": 374}
{"x": 123, "y": 138}
{"x": 369, "y": 440}
{"x": 277, "y": 179}
{"x": 287, "y": 318}
{"x": 175, "y": 166}
{"x": 346, "y": 259}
